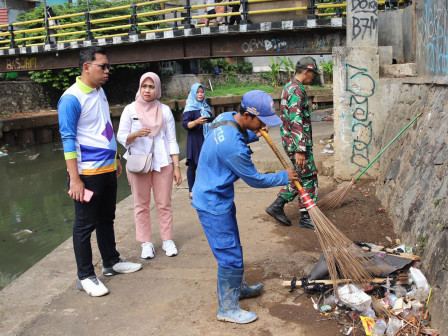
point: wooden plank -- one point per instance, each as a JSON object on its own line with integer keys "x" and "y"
{"x": 392, "y": 252}
{"x": 401, "y": 281}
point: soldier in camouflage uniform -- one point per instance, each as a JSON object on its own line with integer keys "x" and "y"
{"x": 297, "y": 141}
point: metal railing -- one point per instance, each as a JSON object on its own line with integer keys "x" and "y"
{"x": 144, "y": 18}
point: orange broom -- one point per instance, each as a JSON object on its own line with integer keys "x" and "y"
{"x": 334, "y": 199}
{"x": 340, "y": 253}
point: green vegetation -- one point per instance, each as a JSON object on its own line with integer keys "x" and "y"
{"x": 236, "y": 88}
{"x": 80, "y": 7}
{"x": 421, "y": 242}
{"x": 327, "y": 67}
{"x": 221, "y": 64}
{"x": 436, "y": 202}
{"x": 278, "y": 67}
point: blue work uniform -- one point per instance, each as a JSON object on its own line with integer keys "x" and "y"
{"x": 225, "y": 157}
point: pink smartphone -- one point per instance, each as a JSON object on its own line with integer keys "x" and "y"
{"x": 87, "y": 195}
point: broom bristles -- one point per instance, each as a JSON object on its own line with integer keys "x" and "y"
{"x": 334, "y": 199}
{"x": 340, "y": 253}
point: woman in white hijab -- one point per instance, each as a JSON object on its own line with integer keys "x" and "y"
{"x": 144, "y": 123}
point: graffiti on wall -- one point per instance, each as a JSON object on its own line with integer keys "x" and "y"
{"x": 433, "y": 36}
{"x": 360, "y": 86}
{"x": 364, "y": 19}
{"x": 21, "y": 63}
{"x": 291, "y": 44}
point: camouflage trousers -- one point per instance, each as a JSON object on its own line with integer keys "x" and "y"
{"x": 307, "y": 180}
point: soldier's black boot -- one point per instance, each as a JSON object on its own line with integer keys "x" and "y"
{"x": 276, "y": 211}
{"x": 305, "y": 221}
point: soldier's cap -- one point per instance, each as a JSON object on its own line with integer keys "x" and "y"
{"x": 261, "y": 105}
{"x": 308, "y": 63}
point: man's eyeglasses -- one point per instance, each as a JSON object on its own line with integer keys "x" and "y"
{"x": 103, "y": 66}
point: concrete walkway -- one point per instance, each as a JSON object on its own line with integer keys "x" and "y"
{"x": 169, "y": 296}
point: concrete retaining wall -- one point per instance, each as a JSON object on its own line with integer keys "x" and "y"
{"x": 414, "y": 179}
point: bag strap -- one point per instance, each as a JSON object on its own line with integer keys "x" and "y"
{"x": 232, "y": 123}
{"x": 152, "y": 147}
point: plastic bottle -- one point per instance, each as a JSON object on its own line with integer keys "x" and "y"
{"x": 390, "y": 299}
{"x": 380, "y": 328}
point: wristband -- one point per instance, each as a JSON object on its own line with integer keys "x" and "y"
{"x": 176, "y": 165}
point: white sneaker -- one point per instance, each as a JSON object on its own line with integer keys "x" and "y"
{"x": 122, "y": 267}
{"x": 148, "y": 251}
{"x": 170, "y": 248}
{"x": 92, "y": 286}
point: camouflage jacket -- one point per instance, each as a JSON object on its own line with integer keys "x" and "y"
{"x": 295, "y": 111}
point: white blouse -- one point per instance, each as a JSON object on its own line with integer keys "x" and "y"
{"x": 165, "y": 142}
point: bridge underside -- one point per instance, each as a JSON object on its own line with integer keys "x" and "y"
{"x": 265, "y": 39}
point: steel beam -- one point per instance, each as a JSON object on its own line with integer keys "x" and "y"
{"x": 317, "y": 41}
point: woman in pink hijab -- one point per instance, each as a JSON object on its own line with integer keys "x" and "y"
{"x": 144, "y": 123}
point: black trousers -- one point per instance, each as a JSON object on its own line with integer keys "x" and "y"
{"x": 99, "y": 215}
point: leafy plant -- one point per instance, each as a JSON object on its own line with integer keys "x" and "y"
{"x": 437, "y": 202}
{"x": 274, "y": 75}
{"x": 327, "y": 67}
{"x": 59, "y": 79}
{"x": 289, "y": 66}
{"x": 80, "y": 7}
{"x": 421, "y": 242}
{"x": 227, "y": 68}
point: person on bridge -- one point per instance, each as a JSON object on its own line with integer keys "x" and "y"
{"x": 90, "y": 153}
{"x": 148, "y": 126}
{"x": 298, "y": 142}
{"x": 196, "y": 119}
{"x": 225, "y": 157}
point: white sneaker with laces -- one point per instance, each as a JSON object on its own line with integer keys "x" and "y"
{"x": 170, "y": 248}
{"x": 148, "y": 251}
{"x": 121, "y": 267}
{"x": 92, "y": 286}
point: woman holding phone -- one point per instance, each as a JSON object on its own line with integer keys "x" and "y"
{"x": 196, "y": 119}
{"x": 147, "y": 126}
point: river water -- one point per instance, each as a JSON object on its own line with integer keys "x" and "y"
{"x": 36, "y": 214}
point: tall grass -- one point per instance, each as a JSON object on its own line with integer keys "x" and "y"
{"x": 238, "y": 88}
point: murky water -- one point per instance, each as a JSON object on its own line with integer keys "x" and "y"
{"x": 36, "y": 214}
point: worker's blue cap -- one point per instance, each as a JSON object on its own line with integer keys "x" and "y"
{"x": 261, "y": 105}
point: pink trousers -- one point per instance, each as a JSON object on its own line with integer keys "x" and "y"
{"x": 162, "y": 186}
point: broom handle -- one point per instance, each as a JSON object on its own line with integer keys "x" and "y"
{"x": 390, "y": 143}
{"x": 279, "y": 156}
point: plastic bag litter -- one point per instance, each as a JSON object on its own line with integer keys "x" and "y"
{"x": 354, "y": 297}
{"x": 393, "y": 326}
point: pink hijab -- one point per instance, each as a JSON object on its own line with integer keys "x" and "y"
{"x": 150, "y": 113}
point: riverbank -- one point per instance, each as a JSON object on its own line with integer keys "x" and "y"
{"x": 177, "y": 296}
{"x": 40, "y": 127}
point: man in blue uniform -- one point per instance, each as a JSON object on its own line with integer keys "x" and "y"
{"x": 225, "y": 157}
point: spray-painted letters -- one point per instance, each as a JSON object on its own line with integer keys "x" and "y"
{"x": 433, "y": 36}
{"x": 359, "y": 87}
{"x": 292, "y": 45}
{"x": 364, "y": 15}
{"x": 21, "y": 63}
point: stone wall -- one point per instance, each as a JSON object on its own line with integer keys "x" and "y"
{"x": 25, "y": 96}
{"x": 413, "y": 186}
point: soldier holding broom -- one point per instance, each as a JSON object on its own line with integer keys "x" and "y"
{"x": 297, "y": 141}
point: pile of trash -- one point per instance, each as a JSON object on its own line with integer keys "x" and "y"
{"x": 393, "y": 304}
{"x": 329, "y": 146}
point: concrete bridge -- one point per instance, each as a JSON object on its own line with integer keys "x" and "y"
{"x": 315, "y": 36}
{"x": 267, "y": 28}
